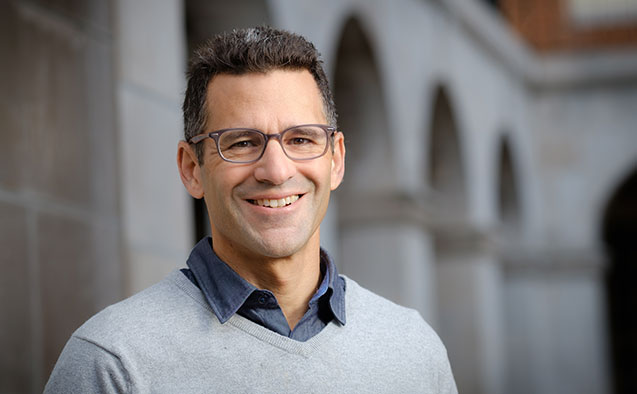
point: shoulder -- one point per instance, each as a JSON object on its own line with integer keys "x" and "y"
{"x": 366, "y": 304}
{"x": 146, "y": 314}
{"x": 107, "y": 353}
{"x": 400, "y": 334}
{"x": 395, "y": 323}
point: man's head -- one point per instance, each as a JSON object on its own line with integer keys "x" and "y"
{"x": 254, "y": 50}
{"x": 268, "y": 206}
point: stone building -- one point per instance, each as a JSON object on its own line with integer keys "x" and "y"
{"x": 490, "y": 184}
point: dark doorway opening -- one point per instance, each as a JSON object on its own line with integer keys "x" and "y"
{"x": 620, "y": 238}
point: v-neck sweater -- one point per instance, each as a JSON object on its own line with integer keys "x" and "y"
{"x": 167, "y": 339}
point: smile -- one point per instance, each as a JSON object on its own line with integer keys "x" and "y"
{"x": 275, "y": 203}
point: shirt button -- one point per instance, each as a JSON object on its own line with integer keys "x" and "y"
{"x": 262, "y": 300}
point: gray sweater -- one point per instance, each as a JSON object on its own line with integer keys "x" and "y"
{"x": 166, "y": 339}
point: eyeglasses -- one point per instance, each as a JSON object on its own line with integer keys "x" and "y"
{"x": 241, "y": 145}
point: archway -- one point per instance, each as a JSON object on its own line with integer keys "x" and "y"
{"x": 446, "y": 174}
{"x": 468, "y": 273}
{"x": 362, "y": 116}
{"x": 519, "y": 343}
{"x": 618, "y": 233}
{"x": 377, "y": 248}
{"x": 453, "y": 262}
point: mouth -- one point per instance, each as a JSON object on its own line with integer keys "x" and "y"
{"x": 276, "y": 203}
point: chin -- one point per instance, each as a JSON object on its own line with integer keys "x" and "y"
{"x": 278, "y": 251}
{"x": 278, "y": 248}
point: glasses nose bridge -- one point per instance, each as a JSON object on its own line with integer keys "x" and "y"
{"x": 277, "y": 137}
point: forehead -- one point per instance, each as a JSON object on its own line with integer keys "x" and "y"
{"x": 278, "y": 98}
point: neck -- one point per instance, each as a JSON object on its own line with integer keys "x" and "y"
{"x": 293, "y": 280}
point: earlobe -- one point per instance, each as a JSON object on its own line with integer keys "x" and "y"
{"x": 338, "y": 161}
{"x": 189, "y": 169}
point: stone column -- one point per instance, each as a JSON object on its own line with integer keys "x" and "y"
{"x": 385, "y": 246}
{"x": 157, "y": 213}
{"x": 557, "y": 323}
{"x": 470, "y": 308}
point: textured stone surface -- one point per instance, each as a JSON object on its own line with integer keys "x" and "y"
{"x": 55, "y": 108}
{"x": 12, "y": 138}
{"x": 388, "y": 259}
{"x": 152, "y": 187}
{"x": 101, "y": 129}
{"x": 15, "y": 293}
{"x": 551, "y": 319}
{"x": 66, "y": 257}
{"x": 156, "y": 210}
{"x": 94, "y": 13}
{"x": 59, "y": 213}
{"x": 152, "y": 56}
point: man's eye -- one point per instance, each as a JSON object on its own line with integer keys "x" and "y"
{"x": 301, "y": 141}
{"x": 240, "y": 141}
{"x": 242, "y": 144}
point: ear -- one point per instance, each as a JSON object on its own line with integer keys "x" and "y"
{"x": 189, "y": 169}
{"x": 338, "y": 160}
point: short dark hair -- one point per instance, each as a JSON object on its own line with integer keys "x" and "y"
{"x": 240, "y": 51}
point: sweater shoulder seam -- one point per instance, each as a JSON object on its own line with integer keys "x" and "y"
{"x": 111, "y": 353}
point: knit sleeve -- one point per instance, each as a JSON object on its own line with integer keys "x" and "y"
{"x": 86, "y": 367}
{"x": 446, "y": 382}
{"x": 442, "y": 380}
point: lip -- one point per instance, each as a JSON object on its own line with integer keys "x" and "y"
{"x": 253, "y": 202}
{"x": 274, "y": 196}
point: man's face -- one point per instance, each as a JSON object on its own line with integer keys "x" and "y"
{"x": 242, "y": 227}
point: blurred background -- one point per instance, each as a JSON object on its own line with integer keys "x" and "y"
{"x": 491, "y": 175}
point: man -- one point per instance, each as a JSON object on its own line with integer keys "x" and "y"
{"x": 260, "y": 308}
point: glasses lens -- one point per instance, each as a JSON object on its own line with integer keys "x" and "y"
{"x": 241, "y": 145}
{"x": 304, "y": 142}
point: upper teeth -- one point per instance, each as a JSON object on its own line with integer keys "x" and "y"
{"x": 281, "y": 202}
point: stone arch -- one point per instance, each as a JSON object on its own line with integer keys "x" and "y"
{"x": 618, "y": 234}
{"x": 377, "y": 248}
{"x": 204, "y": 18}
{"x": 363, "y": 117}
{"x": 467, "y": 274}
{"x": 446, "y": 175}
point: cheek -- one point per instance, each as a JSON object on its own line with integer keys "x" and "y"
{"x": 318, "y": 174}
{"x": 219, "y": 193}
{"x": 214, "y": 187}
{"x": 326, "y": 181}
{"x": 220, "y": 178}
{"x": 225, "y": 188}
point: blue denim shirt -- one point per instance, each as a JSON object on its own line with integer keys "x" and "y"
{"x": 228, "y": 293}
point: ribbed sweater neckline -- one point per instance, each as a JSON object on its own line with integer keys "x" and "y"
{"x": 304, "y": 349}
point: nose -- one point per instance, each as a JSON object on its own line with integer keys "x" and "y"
{"x": 274, "y": 167}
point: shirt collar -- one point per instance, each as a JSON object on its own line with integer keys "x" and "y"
{"x": 223, "y": 288}
{"x": 335, "y": 286}
{"x": 226, "y": 291}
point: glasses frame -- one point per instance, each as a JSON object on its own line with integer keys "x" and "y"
{"x": 215, "y": 135}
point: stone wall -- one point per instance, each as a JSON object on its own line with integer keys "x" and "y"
{"x": 60, "y": 248}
